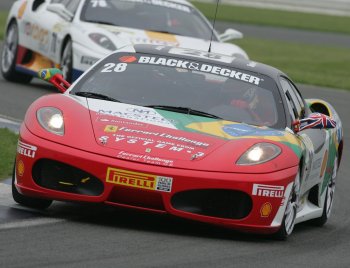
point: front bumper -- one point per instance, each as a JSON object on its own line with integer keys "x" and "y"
{"x": 195, "y": 195}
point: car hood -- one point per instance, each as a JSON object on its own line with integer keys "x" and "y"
{"x": 136, "y": 36}
{"x": 166, "y": 138}
{"x": 157, "y": 137}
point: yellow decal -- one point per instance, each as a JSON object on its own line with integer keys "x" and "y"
{"x": 110, "y": 129}
{"x": 324, "y": 163}
{"x": 265, "y": 210}
{"x": 20, "y": 168}
{"x": 138, "y": 180}
{"x": 161, "y": 36}
{"x": 21, "y": 10}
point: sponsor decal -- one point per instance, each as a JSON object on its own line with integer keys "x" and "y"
{"x": 196, "y": 66}
{"x": 265, "y": 210}
{"x": 268, "y": 190}
{"x": 37, "y": 33}
{"x": 238, "y": 130}
{"x": 26, "y": 149}
{"x": 139, "y": 180}
{"x": 20, "y": 168}
{"x": 128, "y": 59}
{"x": 110, "y": 129}
{"x": 21, "y": 10}
{"x": 146, "y": 158}
{"x": 88, "y": 60}
{"x": 164, "y": 135}
{"x": 141, "y": 114}
{"x": 103, "y": 140}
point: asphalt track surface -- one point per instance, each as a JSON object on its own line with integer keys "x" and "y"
{"x": 81, "y": 235}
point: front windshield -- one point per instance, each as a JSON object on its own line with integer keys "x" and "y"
{"x": 151, "y": 15}
{"x": 156, "y": 81}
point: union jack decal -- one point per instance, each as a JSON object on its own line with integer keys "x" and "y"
{"x": 316, "y": 121}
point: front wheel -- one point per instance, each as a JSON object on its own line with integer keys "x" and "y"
{"x": 290, "y": 213}
{"x": 26, "y": 200}
{"x": 9, "y": 56}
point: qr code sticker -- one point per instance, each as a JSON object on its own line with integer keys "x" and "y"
{"x": 164, "y": 184}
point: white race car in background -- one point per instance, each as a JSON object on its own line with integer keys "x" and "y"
{"x": 74, "y": 34}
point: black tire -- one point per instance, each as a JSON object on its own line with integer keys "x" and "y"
{"x": 9, "y": 55}
{"x": 27, "y": 201}
{"x": 67, "y": 61}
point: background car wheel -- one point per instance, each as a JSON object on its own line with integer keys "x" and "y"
{"x": 328, "y": 202}
{"x": 67, "y": 61}
{"x": 290, "y": 213}
{"x": 9, "y": 55}
{"x": 25, "y": 200}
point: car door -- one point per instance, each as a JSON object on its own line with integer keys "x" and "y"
{"x": 40, "y": 27}
{"x": 314, "y": 140}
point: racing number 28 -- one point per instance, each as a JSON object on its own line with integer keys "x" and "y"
{"x": 110, "y": 67}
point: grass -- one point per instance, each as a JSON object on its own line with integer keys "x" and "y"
{"x": 277, "y": 18}
{"x": 308, "y": 64}
{"x": 3, "y": 17}
{"x": 8, "y": 144}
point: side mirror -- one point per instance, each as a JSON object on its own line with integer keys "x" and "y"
{"x": 61, "y": 11}
{"x": 55, "y": 77}
{"x": 314, "y": 121}
{"x": 230, "y": 34}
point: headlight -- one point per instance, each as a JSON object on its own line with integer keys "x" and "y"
{"x": 259, "y": 153}
{"x": 103, "y": 41}
{"x": 51, "y": 119}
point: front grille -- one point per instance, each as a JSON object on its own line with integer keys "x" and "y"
{"x": 220, "y": 203}
{"x": 62, "y": 177}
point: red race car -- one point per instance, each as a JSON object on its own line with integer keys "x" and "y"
{"x": 198, "y": 135}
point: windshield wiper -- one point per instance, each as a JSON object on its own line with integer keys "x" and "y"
{"x": 95, "y": 95}
{"x": 185, "y": 110}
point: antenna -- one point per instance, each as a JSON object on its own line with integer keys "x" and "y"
{"x": 212, "y": 30}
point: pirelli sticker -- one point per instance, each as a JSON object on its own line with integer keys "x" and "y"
{"x": 139, "y": 180}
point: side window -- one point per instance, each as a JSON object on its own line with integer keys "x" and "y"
{"x": 72, "y": 5}
{"x": 295, "y": 103}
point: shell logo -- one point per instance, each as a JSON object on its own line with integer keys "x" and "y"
{"x": 265, "y": 210}
{"x": 20, "y": 168}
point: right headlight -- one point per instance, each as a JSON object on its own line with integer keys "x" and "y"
{"x": 51, "y": 119}
{"x": 102, "y": 40}
{"x": 259, "y": 153}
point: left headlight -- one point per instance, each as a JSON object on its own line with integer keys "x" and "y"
{"x": 259, "y": 153}
{"x": 51, "y": 119}
{"x": 103, "y": 41}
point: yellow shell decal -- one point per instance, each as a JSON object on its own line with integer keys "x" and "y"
{"x": 20, "y": 168}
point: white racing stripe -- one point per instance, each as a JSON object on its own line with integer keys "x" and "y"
{"x": 7, "y": 201}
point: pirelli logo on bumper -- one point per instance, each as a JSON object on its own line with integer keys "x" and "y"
{"x": 139, "y": 180}
{"x": 268, "y": 190}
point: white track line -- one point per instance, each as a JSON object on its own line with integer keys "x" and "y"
{"x": 7, "y": 201}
